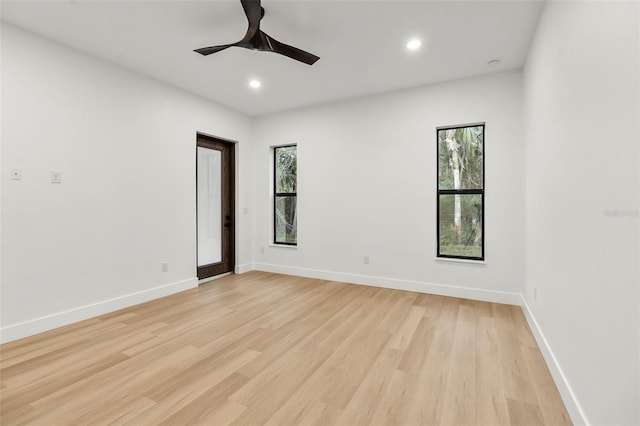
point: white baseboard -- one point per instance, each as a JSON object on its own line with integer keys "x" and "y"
{"x": 577, "y": 414}
{"x": 241, "y": 269}
{"x": 396, "y": 284}
{"x": 59, "y": 319}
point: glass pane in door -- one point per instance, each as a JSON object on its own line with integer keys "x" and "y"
{"x": 209, "y": 206}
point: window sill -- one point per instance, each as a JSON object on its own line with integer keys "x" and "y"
{"x": 286, "y": 246}
{"x": 469, "y": 261}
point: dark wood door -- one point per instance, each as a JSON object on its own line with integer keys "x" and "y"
{"x": 215, "y": 188}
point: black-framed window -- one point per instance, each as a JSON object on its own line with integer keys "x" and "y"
{"x": 285, "y": 200}
{"x": 460, "y": 191}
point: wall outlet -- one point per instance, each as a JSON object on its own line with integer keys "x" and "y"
{"x": 535, "y": 293}
{"x": 56, "y": 177}
{"x": 16, "y": 174}
{"x": 366, "y": 260}
{"x": 261, "y": 250}
{"x": 164, "y": 266}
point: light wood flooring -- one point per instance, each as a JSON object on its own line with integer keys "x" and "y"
{"x": 263, "y": 348}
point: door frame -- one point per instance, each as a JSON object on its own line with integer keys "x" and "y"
{"x": 228, "y": 163}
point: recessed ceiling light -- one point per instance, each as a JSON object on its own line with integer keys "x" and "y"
{"x": 255, "y": 84}
{"x": 414, "y": 44}
{"x": 494, "y": 63}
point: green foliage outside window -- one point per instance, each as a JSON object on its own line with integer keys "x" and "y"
{"x": 285, "y": 203}
{"x": 461, "y": 192}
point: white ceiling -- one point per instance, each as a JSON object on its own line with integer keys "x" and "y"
{"x": 361, "y": 44}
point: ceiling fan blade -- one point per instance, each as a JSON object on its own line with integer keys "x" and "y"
{"x": 253, "y": 10}
{"x": 290, "y": 51}
{"x": 255, "y": 39}
{"x": 254, "y": 13}
{"x": 212, "y": 49}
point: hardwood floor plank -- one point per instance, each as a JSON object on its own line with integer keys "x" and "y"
{"x": 491, "y": 403}
{"x": 303, "y": 403}
{"x": 114, "y": 386}
{"x": 523, "y": 414}
{"x": 41, "y": 388}
{"x": 416, "y": 353}
{"x": 459, "y": 407}
{"x": 223, "y": 415}
{"x": 198, "y": 377}
{"x": 398, "y": 311}
{"x": 403, "y": 334}
{"x": 516, "y": 379}
{"x": 428, "y": 385}
{"x": 282, "y": 380}
{"x": 174, "y": 395}
{"x": 351, "y": 367}
{"x": 398, "y": 400}
{"x": 262, "y": 348}
{"x": 318, "y": 414}
{"x": 120, "y": 411}
{"x": 362, "y": 407}
{"x": 23, "y": 353}
{"x": 550, "y": 403}
{"x": 60, "y": 361}
{"x": 206, "y": 407}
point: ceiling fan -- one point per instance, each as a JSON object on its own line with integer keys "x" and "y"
{"x": 256, "y": 39}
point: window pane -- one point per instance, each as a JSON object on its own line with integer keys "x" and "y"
{"x": 460, "y": 157}
{"x": 286, "y": 169}
{"x": 286, "y": 220}
{"x": 460, "y": 221}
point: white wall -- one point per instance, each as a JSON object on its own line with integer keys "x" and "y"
{"x": 367, "y": 182}
{"x": 125, "y": 145}
{"x": 582, "y": 115}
